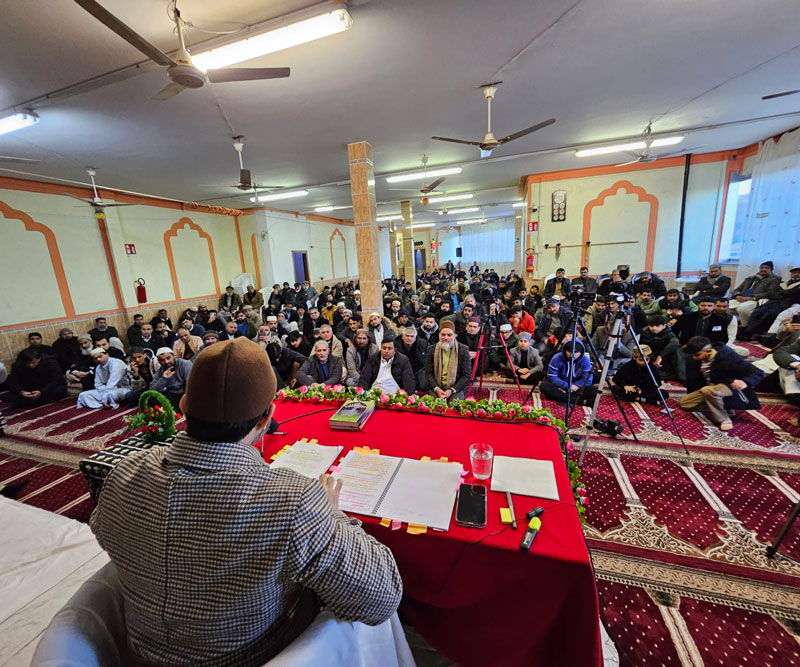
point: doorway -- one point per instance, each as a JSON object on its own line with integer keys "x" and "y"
{"x": 300, "y": 264}
{"x": 419, "y": 259}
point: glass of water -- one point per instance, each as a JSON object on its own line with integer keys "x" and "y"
{"x": 481, "y": 456}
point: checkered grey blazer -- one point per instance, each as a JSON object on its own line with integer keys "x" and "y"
{"x": 218, "y": 555}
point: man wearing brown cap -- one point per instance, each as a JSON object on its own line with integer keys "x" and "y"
{"x": 447, "y": 365}
{"x": 222, "y": 560}
{"x": 632, "y": 381}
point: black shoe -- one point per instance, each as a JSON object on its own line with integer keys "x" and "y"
{"x": 767, "y": 340}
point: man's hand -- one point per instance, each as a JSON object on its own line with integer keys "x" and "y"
{"x": 439, "y": 392}
{"x": 26, "y": 394}
{"x": 575, "y": 387}
{"x": 472, "y": 355}
{"x": 797, "y": 374}
{"x": 168, "y": 372}
{"x": 657, "y": 362}
{"x": 739, "y": 384}
{"x": 524, "y": 373}
{"x": 447, "y": 394}
{"x": 332, "y": 488}
{"x": 792, "y": 326}
{"x": 630, "y": 389}
{"x": 135, "y": 370}
{"x": 81, "y": 374}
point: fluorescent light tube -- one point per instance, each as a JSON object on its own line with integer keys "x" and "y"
{"x": 634, "y": 146}
{"x": 427, "y": 224}
{"x": 17, "y": 121}
{"x": 458, "y": 211}
{"x": 518, "y": 204}
{"x": 280, "y": 195}
{"x": 439, "y": 200}
{"x": 417, "y": 175}
{"x": 388, "y": 218}
{"x": 471, "y": 221}
{"x": 283, "y": 33}
{"x": 324, "y": 209}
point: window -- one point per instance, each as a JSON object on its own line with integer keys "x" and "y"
{"x": 735, "y": 220}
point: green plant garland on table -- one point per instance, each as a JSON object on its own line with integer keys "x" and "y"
{"x": 496, "y": 410}
{"x": 156, "y": 423}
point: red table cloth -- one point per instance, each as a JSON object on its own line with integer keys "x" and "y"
{"x": 472, "y": 593}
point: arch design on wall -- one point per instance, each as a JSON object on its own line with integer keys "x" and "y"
{"x": 257, "y": 266}
{"x": 631, "y": 189}
{"x": 52, "y": 248}
{"x": 337, "y": 232}
{"x": 171, "y": 233}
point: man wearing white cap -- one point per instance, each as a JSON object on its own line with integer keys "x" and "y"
{"x": 111, "y": 382}
{"x": 171, "y": 377}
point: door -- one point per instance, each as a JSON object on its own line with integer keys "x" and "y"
{"x": 419, "y": 259}
{"x": 300, "y": 263}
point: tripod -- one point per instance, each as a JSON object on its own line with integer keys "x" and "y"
{"x": 772, "y": 549}
{"x": 612, "y": 344}
{"x": 480, "y": 358}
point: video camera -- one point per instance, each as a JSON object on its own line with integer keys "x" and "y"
{"x": 579, "y": 298}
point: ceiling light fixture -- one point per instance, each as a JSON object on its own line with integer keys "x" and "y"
{"x": 280, "y": 195}
{"x": 458, "y": 211}
{"x": 417, "y": 175}
{"x": 279, "y": 34}
{"x": 17, "y": 121}
{"x": 439, "y": 200}
{"x": 471, "y": 221}
{"x": 426, "y": 225}
{"x": 388, "y": 218}
{"x": 633, "y": 146}
{"x": 323, "y": 209}
{"x": 518, "y": 204}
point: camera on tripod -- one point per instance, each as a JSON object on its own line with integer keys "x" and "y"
{"x": 579, "y": 298}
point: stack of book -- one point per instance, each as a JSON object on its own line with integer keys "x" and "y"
{"x": 352, "y": 415}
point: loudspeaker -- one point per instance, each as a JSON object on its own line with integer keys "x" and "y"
{"x": 458, "y": 252}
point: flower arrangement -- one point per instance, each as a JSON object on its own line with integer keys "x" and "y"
{"x": 496, "y": 410}
{"x": 155, "y": 420}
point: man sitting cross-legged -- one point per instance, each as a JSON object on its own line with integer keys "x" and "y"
{"x": 35, "y": 380}
{"x": 557, "y": 382}
{"x": 632, "y": 381}
{"x": 719, "y": 378}
{"x": 223, "y": 560}
{"x": 111, "y": 382}
{"x": 527, "y": 361}
{"x": 447, "y": 365}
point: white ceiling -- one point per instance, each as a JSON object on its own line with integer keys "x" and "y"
{"x": 405, "y": 71}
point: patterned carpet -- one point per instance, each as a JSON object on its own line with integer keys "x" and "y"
{"x": 677, "y": 541}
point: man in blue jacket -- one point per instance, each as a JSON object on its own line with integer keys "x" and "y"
{"x": 719, "y": 378}
{"x": 557, "y": 383}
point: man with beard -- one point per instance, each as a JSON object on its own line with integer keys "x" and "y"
{"x": 66, "y": 349}
{"x": 214, "y": 322}
{"x": 387, "y": 371}
{"x": 171, "y": 377}
{"x": 210, "y": 337}
{"x": 35, "y": 342}
{"x": 286, "y": 362}
{"x": 113, "y": 352}
{"x": 135, "y": 329}
{"x": 417, "y": 352}
{"x": 550, "y": 321}
{"x": 526, "y": 360}
{"x": 380, "y": 329}
{"x": 447, "y": 365}
{"x": 194, "y": 329}
{"x": 704, "y": 323}
{"x": 445, "y": 310}
{"x": 674, "y": 299}
{"x": 586, "y": 283}
{"x": 229, "y": 301}
{"x": 559, "y": 286}
{"x": 232, "y": 331}
{"x": 245, "y": 327}
{"x": 460, "y": 318}
{"x": 83, "y": 369}
{"x": 145, "y": 339}
{"x": 253, "y": 298}
{"x": 357, "y": 355}
{"x": 161, "y": 316}
{"x": 163, "y": 336}
{"x": 35, "y": 380}
{"x": 471, "y": 336}
{"x": 715, "y": 284}
{"x": 649, "y": 281}
{"x": 429, "y": 330}
{"x": 632, "y": 381}
{"x": 347, "y": 330}
{"x": 497, "y": 353}
{"x": 111, "y": 382}
{"x": 102, "y": 330}
{"x": 139, "y": 372}
{"x": 665, "y": 348}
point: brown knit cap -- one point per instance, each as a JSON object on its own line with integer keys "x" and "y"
{"x": 447, "y": 324}
{"x": 230, "y": 382}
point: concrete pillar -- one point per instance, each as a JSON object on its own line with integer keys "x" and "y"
{"x": 393, "y": 246}
{"x": 409, "y": 273}
{"x": 362, "y": 186}
{"x": 519, "y": 262}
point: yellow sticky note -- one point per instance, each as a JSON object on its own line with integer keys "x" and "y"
{"x": 314, "y": 441}
{"x": 361, "y": 452}
{"x": 375, "y": 451}
{"x": 357, "y": 449}
{"x": 443, "y": 459}
{"x": 303, "y": 439}
{"x": 417, "y": 528}
{"x": 425, "y": 458}
{"x": 386, "y": 522}
{"x": 505, "y": 515}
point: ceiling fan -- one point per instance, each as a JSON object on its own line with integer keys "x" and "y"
{"x": 96, "y": 201}
{"x": 427, "y": 188}
{"x": 783, "y": 94}
{"x": 245, "y": 180}
{"x": 647, "y": 154}
{"x": 489, "y": 142}
{"x": 180, "y": 70}
{"x": 18, "y": 160}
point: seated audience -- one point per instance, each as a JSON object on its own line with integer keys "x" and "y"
{"x": 102, "y": 330}
{"x": 417, "y": 352}
{"x": 357, "y": 355}
{"x": 649, "y": 281}
{"x": 188, "y": 323}
{"x": 753, "y": 291}
{"x": 161, "y": 316}
{"x": 586, "y": 283}
{"x": 66, "y": 349}
{"x": 534, "y": 301}
{"x": 135, "y": 329}
{"x": 521, "y": 321}
{"x": 447, "y": 365}
{"x": 229, "y": 301}
{"x": 231, "y": 331}
{"x": 720, "y": 380}
{"x": 34, "y": 380}
{"x": 704, "y": 322}
{"x": 388, "y": 371}
{"x": 788, "y": 359}
{"x": 253, "y": 510}
{"x": 146, "y": 338}
{"x": 557, "y": 383}
{"x": 429, "y": 330}
{"x": 214, "y": 322}
{"x": 526, "y": 360}
{"x": 638, "y": 318}
{"x": 139, "y": 372}
{"x": 321, "y": 368}
{"x": 82, "y": 371}
{"x": 471, "y": 336}
{"x": 664, "y": 347}
{"x": 35, "y": 342}
{"x": 559, "y": 285}
{"x": 334, "y": 344}
{"x": 380, "y": 328}
{"x": 245, "y": 327}
{"x": 286, "y": 362}
{"x": 788, "y": 294}
{"x": 187, "y": 345}
{"x": 163, "y": 335}
{"x": 632, "y": 381}
{"x": 171, "y": 376}
{"x": 111, "y": 382}
{"x": 622, "y": 348}
{"x": 551, "y": 321}
{"x": 614, "y": 284}
{"x": 674, "y": 299}
{"x": 253, "y": 299}
{"x": 497, "y": 350}
{"x": 716, "y": 284}
{"x": 113, "y": 352}
{"x": 647, "y": 303}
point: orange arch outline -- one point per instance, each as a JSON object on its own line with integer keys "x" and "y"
{"x": 52, "y": 248}
{"x": 344, "y": 242}
{"x": 171, "y": 233}
{"x": 254, "y": 245}
{"x": 631, "y": 189}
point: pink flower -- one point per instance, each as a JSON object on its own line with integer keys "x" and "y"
{"x": 412, "y": 399}
{"x": 304, "y": 389}
{"x": 424, "y": 408}
{"x": 498, "y": 415}
{"x": 281, "y": 394}
{"x": 337, "y": 388}
{"x": 570, "y": 446}
{"x": 544, "y": 419}
{"x": 441, "y": 408}
{"x": 402, "y": 392}
{"x": 585, "y": 501}
{"x": 512, "y": 412}
{"x": 527, "y": 409}
{"x": 481, "y": 412}
{"x": 359, "y": 391}
{"x": 468, "y": 413}
{"x": 581, "y": 491}
{"x": 384, "y": 398}
{"x": 315, "y": 399}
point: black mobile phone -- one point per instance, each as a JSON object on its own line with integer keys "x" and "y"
{"x": 796, "y": 319}
{"x": 471, "y": 506}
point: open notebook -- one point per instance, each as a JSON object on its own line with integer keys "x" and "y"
{"x": 307, "y": 458}
{"x": 408, "y": 490}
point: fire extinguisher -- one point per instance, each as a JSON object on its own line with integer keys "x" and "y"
{"x": 141, "y": 291}
{"x": 529, "y": 262}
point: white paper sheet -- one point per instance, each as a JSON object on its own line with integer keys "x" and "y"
{"x": 307, "y": 459}
{"x": 525, "y": 477}
{"x": 408, "y": 490}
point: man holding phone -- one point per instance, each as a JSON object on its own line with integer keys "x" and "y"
{"x": 171, "y": 377}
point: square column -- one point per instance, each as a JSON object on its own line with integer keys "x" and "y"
{"x": 362, "y": 186}
{"x": 518, "y": 262}
{"x": 409, "y": 272}
{"x": 393, "y": 246}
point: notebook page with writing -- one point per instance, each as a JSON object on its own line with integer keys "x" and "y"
{"x": 364, "y": 480}
{"x": 307, "y": 459}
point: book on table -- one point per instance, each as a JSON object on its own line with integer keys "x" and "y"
{"x": 352, "y": 415}
{"x": 409, "y": 490}
{"x": 306, "y": 458}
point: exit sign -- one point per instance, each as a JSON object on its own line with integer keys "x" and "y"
{"x": 130, "y": 248}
